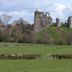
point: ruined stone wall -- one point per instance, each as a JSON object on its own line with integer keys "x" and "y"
{"x": 58, "y": 23}
{"x": 38, "y": 21}
{"x": 48, "y": 19}
{"x": 41, "y": 20}
{"x": 70, "y": 21}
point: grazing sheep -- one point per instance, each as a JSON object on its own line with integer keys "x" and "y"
{"x": 19, "y": 56}
{"x": 62, "y": 56}
{"x": 12, "y": 56}
{"x": 31, "y": 56}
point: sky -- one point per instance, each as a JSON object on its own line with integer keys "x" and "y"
{"x": 26, "y": 8}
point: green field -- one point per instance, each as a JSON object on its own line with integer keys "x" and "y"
{"x": 35, "y": 65}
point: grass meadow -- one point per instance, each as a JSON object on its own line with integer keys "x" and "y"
{"x": 35, "y": 65}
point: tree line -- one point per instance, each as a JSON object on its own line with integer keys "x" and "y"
{"x": 21, "y": 31}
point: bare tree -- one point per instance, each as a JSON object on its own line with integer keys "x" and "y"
{"x": 5, "y": 18}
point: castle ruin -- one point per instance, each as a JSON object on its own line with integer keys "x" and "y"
{"x": 70, "y": 21}
{"x": 41, "y": 20}
{"x": 58, "y": 23}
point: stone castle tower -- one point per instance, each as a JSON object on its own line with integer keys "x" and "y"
{"x": 41, "y": 20}
{"x": 70, "y": 21}
{"x": 58, "y": 23}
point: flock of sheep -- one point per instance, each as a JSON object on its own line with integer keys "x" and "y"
{"x": 20, "y": 56}
{"x": 35, "y": 56}
{"x": 60, "y": 56}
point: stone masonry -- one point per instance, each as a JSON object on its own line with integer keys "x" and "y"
{"x": 70, "y": 21}
{"x": 58, "y": 23}
{"x": 41, "y": 20}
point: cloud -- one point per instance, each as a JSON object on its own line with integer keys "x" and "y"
{"x": 41, "y": 3}
{"x": 57, "y": 10}
{"x": 26, "y": 8}
{"x": 17, "y": 14}
{"x": 67, "y": 11}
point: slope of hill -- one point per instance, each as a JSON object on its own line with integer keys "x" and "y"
{"x": 55, "y": 34}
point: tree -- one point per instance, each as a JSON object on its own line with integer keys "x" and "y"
{"x": 5, "y": 18}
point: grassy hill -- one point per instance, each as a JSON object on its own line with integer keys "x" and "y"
{"x": 55, "y": 33}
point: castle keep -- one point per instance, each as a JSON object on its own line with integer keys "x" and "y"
{"x": 41, "y": 20}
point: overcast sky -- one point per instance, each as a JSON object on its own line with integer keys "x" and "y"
{"x": 26, "y": 8}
